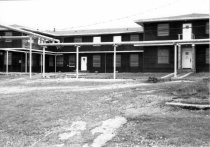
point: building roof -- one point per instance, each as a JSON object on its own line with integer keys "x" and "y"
{"x": 95, "y": 31}
{"x": 193, "y": 16}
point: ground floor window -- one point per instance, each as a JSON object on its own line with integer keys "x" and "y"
{"x": 50, "y": 61}
{"x": 207, "y": 55}
{"x": 59, "y": 61}
{"x": 134, "y": 60}
{"x": 163, "y": 56}
{"x": 72, "y": 61}
{"x": 9, "y": 58}
{"x": 118, "y": 60}
{"x": 96, "y": 61}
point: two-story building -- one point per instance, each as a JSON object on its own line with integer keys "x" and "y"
{"x": 192, "y": 56}
{"x": 154, "y": 46}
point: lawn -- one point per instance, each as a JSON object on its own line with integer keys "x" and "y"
{"x": 66, "y": 112}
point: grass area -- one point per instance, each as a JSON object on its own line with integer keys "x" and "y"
{"x": 35, "y": 112}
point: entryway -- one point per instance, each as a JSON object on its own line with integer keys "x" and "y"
{"x": 83, "y": 63}
{"x": 187, "y": 58}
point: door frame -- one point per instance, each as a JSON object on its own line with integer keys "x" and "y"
{"x": 190, "y": 66}
{"x": 184, "y": 29}
{"x": 83, "y": 57}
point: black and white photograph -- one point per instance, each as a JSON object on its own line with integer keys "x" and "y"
{"x": 104, "y": 73}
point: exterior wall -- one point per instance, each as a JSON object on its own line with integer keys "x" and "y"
{"x": 151, "y": 59}
{"x": 201, "y": 65}
{"x": 198, "y": 29}
{"x": 13, "y": 43}
{"x": 106, "y": 63}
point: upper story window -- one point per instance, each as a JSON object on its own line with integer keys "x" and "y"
{"x": 77, "y": 39}
{"x": 163, "y": 56}
{"x": 207, "y": 28}
{"x": 97, "y": 39}
{"x": 8, "y": 34}
{"x": 117, "y": 38}
{"x": 134, "y": 37}
{"x": 163, "y": 29}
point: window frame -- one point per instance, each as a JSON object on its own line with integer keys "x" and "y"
{"x": 118, "y": 60}
{"x": 117, "y": 38}
{"x": 207, "y": 56}
{"x": 161, "y": 56}
{"x": 136, "y": 64}
{"x": 72, "y": 63}
{"x": 134, "y": 36}
{"x": 96, "y": 39}
{"x": 95, "y": 64}
{"x": 77, "y": 39}
{"x": 163, "y": 27}
{"x": 8, "y": 34}
{"x": 61, "y": 61}
{"x": 207, "y": 28}
{"x": 51, "y": 61}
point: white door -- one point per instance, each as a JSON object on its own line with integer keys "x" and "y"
{"x": 83, "y": 63}
{"x": 187, "y": 31}
{"x": 186, "y": 58}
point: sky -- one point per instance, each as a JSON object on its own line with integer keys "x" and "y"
{"x": 92, "y": 14}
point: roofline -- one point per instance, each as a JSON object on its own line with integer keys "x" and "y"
{"x": 29, "y": 33}
{"x": 169, "y": 20}
{"x": 95, "y": 33}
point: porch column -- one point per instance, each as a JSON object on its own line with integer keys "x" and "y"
{"x": 179, "y": 57}
{"x": 41, "y": 62}
{"x": 193, "y": 58}
{"x": 114, "y": 62}
{"x": 7, "y": 62}
{"x": 26, "y": 62}
{"x": 43, "y": 65}
{"x": 30, "y": 57}
{"x": 55, "y": 63}
{"x": 77, "y": 62}
{"x": 175, "y": 60}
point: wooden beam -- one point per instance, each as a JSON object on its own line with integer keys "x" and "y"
{"x": 43, "y": 65}
{"x": 193, "y": 58}
{"x": 7, "y": 62}
{"x": 175, "y": 60}
{"x": 77, "y": 61}
{"x": 179, "y": 57}
{"x": 30, "y": 57}
{"x": 55, "y": 63}
{"x": 26, "y": 62}
{"x": 114, "y": 62}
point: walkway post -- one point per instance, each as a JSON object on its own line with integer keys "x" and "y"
{"x": 179, "y": 57}
{"x": 43, "y": 70}
{"x": 175, "y": 60}
{"x": 55, "y": 63}
{"x": 193, "y": 58}
{"x": 7, "y": 62}
{"x": 30, "y": 57}
{"x": 77, "y": 62}
{"x": 41, "y": 62}
{"x": 26, "y": 64}
{"x": 114, "y": 62}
